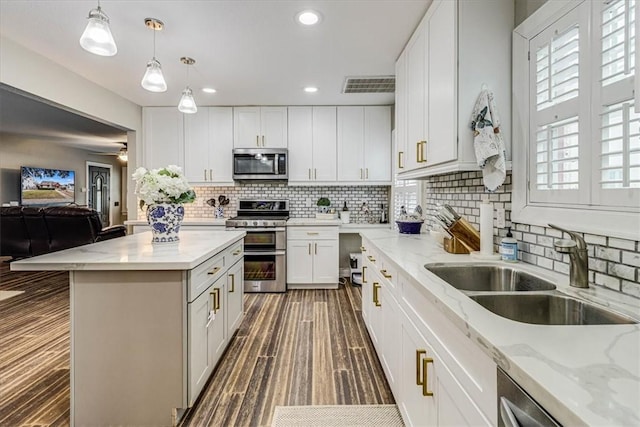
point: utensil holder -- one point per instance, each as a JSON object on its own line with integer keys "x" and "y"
{"x": 454, "y": 246}
{"x": 466, "y": 234}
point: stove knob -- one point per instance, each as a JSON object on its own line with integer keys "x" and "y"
{"x": 244, "y": 223}
{"x": 255, "y": 223}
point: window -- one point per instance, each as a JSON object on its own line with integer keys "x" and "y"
{"x": 574, "y": 71}
{"x": 405, "y": 193}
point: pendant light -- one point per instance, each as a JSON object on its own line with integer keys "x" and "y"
{"x": 97, "y": 37}
{"x": 153, "y": 80}
{"x": 187, "y": 103}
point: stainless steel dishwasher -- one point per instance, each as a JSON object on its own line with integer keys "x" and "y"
{"x": 516, "y": 408}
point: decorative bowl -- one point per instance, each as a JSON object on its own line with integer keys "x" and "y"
{"x": 410, "y": 227}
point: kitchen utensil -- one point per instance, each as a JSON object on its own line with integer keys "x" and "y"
{"x": 452, "y": 211}
{"x": 211, "y": 202}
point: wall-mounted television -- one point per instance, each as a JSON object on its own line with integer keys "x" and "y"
{"x": 46, "y": 187}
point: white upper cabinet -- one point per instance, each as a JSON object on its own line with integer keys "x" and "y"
{"x": 364, "y": 145}
{"x": 312, "y": 144}
{"x": 459, "y": 47}
{"x": 163, "y": 137}
{"x": 208, "y": 144}
{"x": 260, "y": 127}
{"x": 401, "y": 115}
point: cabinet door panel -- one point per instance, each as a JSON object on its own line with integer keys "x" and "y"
{"x": 350, "y": 143}
{"x": 199, "y": 362}
{"x": 196, "y": 146}
{"x": 324, "y": 143}
{"x": 221, "y": 144}
{"x": 377, "y": 143}
{"x": 163, "y": 137}
{"x": 217, "y": 332}
{"x": 391, "y": 339}
{"x": 417, "y": 73}
{"x": 246, "y": 127}
{"x": 299, "y": 261}
{"x": 300, "y": 144}
{"x": 273, "y": 123}
{"x": 325, "y": 261}
{"x": 400, "y": 159}
{"x": 235, "y": 290}
{"x": 441, "y": 144}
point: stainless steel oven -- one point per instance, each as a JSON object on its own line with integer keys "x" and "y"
{"x": 265, "y": 256}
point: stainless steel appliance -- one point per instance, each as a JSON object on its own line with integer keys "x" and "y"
{"x": 516, "y": 408}
{"x": 260, "y": 164}
{"x": 265, "y": 265}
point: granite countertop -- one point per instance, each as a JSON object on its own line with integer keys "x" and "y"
{"x": 135, "y": 252}
{"x": 579, "y": 374}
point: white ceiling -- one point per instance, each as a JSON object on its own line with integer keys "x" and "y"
{"x": 252, "y": 52}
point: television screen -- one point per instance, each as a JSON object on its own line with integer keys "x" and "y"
{"x": 40, "y": 186}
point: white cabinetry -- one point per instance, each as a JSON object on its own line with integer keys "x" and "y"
{"x": 260, "y": 127}
{"x": 364, "y": 144}
{"x": 312, "y": 144}
{"x": 441, "y": 73}
{"x": 163, "y": 136}
{"x": 437, "y": 375}
{"x": 208, "y": 145}
{"x": 312, "y": 257}
{"x": 235, "y": 291}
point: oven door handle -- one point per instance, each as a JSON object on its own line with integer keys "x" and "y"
{"x": 277, "y": 253}
{"x": 257, "y": 230}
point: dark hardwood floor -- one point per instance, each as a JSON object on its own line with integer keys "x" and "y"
{"x": 305, "y": 347}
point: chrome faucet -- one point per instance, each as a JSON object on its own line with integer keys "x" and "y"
{"x": 577, "y": 250}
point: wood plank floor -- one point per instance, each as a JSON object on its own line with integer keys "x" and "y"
{"x": 305, "y": 347}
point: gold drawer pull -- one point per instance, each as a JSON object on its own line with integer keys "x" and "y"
{"x": 363, "y": 249}
{"x": 312, "y": 233}
{"x": 372, "y": 259}
{"x": 376, "y": 299}
{"x": 385, "y": 274}
{"x": 233, "y": 282}
{"x": 425, "y": 373}
{"x": 214, "y": 271}
{"x": 400, "y": 155}
{"x": 364, "y": 267}
{"x": 419, "y": 354}
{"x": 236, "y": 253}
{"x": 216, "y": 299}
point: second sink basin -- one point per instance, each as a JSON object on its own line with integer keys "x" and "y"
{"x": 482, "y": 277}
{"x": 549, "y": 309}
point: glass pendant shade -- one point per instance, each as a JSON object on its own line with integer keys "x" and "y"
{"x": 97, "y": 37}
{"x": 187, "y": 103}
{"x": 153, "y": 80}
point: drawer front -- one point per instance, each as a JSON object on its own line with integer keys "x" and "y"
{"x": 389, "y": 275}
{"x": 234, "y": 253}
{"x": 312, "y": 233}
{"x": 473, "y": 369}
{"x": 201, "y": 277}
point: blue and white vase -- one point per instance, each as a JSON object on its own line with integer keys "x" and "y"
{"x": 165, "y": 220}
{"x": 219, "y": 212}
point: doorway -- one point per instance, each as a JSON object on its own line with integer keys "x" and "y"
{"x": 99, "y": 190}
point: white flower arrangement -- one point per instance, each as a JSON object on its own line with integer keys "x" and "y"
{"x": 164, "y": 185}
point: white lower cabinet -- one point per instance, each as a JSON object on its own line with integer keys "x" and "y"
{"x": 235, "y": 291}
{"x": 312, "y": 257}
{"x": 437, "y": 375}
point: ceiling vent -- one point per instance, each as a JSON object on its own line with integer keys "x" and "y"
{"x": 370, "y": 84}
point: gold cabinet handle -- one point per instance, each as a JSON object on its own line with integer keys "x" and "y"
{"x": 258, "y": 140}
{"x": 372, "y": 259}
{"x": 312, "y": 233}
{"x": 236, "y": 253}
{"x": 315, "y": 173}
{"x": 419, "y": 353}
{"x": 364, "y": 280}
{"x": 366, "y": 173}
{"x": 425, "y": 373}
{"x": 233, "y": 282}
{"x": 263, "y": 140}
{"x": 360, "y": 173}
{"x": 216, "y": 299}
{"x": 210, "y": 174}
{"x": 205, "y": 174}
{"x": 309, "y": 248}
{"x": 363, "y": 249}
{"x": 424, "y": 149}
{"x": 309, "y": 173}
{"x": 385, "y": 274}
{"x": 400, "y": 155}
{"x": 376, "y": 299}
{"x": 316, "y": 248}
{"x": 418, "y": 152}
{"x": 214, "y": 271}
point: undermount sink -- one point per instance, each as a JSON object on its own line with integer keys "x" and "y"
{"x": 479, "y": 277}
{"x": 549, "y": 309}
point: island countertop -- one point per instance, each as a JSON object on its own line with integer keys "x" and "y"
{"x": 135, "y": 252}
{"x": 582, "y": 375}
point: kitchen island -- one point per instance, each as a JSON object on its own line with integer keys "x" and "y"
{"x": 148, "y": 322}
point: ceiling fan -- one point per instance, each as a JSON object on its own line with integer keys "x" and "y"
{"x": 122, "y": 154}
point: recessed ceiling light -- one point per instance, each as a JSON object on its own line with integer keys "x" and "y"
{"x": 308, "y": 17}
{"x": 310, "y": 89}
{"x": 208, "y": 90}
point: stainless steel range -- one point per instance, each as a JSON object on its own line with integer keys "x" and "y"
{"x": 265, "y": 245}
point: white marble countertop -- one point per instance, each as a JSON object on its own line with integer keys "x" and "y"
{"x": 186, "y": 221}
{"x": 582, "y": 375}
{"x": 135, "y": 252}
{"x": 293, "y": 222}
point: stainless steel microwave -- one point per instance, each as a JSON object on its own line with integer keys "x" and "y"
{"x": 260, "y": 164}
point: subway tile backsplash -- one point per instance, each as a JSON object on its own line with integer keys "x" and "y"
{"x": 613, "y": 263}
{"x": 298, "y": 198}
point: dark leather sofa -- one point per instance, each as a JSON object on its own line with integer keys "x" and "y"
{"x": 30, "y": 231}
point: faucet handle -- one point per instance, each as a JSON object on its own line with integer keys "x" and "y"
{"x": 581, "y": 244}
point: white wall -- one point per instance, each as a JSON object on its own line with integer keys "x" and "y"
{"x": 524, "y": 9}
{"x": 33, "y": 73}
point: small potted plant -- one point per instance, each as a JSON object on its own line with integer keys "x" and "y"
{"x": 323, "y": 204}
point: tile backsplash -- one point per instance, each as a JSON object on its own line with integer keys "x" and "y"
{"x": 302, "y": 200}
{"x": 613, "y": 263}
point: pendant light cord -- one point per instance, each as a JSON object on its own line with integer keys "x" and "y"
{"x": 154, "y": 43}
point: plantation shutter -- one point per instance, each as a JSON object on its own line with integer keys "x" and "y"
{"x": 407, "y": 194}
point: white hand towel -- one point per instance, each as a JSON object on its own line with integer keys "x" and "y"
{"x": 487, "y": 141}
